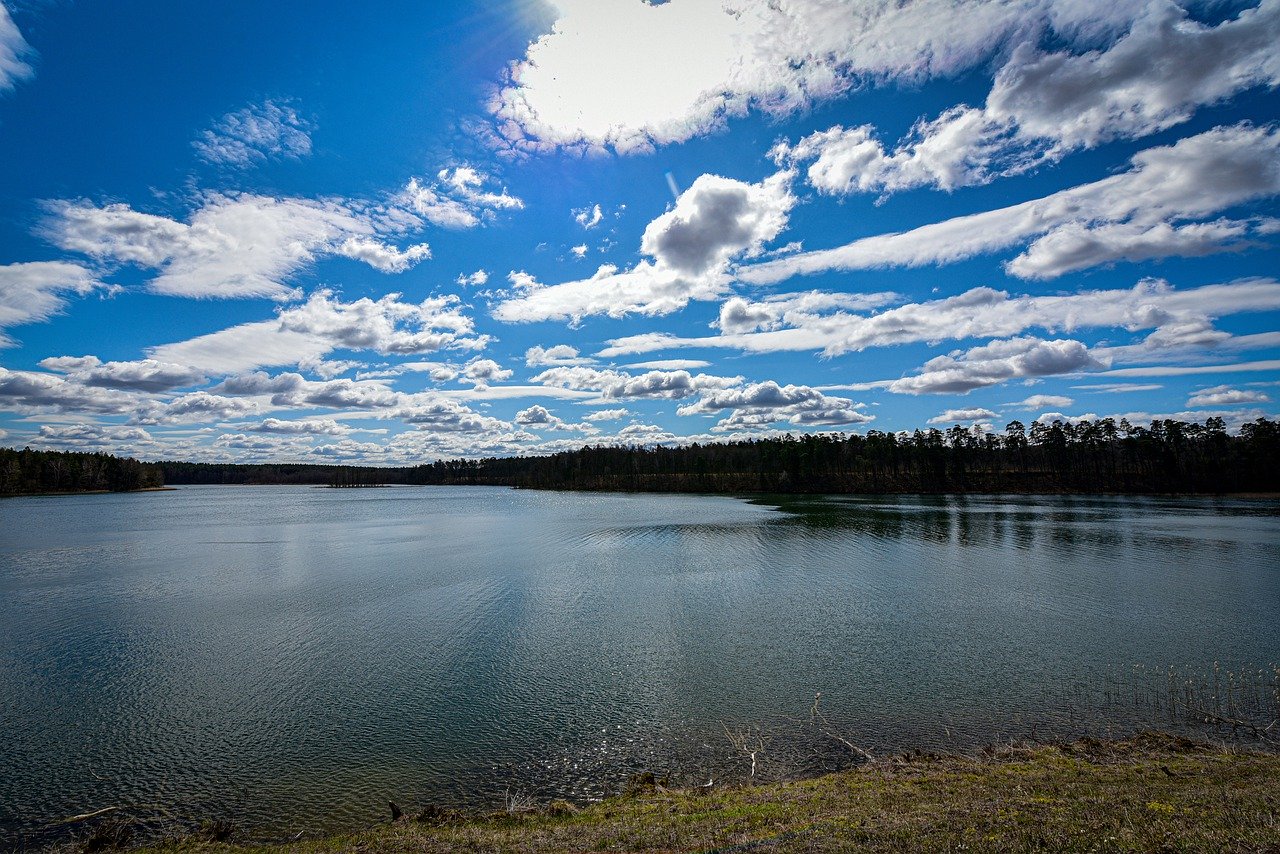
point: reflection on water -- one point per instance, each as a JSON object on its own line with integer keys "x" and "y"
{"x": 297, "y": 656}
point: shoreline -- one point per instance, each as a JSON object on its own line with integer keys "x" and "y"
{"x": 89, "y": 492}
{"x": 1139, "y": 794}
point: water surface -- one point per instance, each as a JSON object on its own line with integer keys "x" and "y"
{"x": 296, "y": 656}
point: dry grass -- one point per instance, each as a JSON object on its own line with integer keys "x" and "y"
{"x": 1152, "y": 793}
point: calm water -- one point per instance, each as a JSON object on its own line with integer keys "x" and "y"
{"x": 296, "y": 657}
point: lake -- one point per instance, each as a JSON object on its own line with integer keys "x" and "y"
{"x": 295, "y": 657}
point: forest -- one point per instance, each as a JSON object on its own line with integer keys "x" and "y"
{"x": 1102, "y": 456}
{"x": 1089, "y": 457}
{"x": 27, "y": 471}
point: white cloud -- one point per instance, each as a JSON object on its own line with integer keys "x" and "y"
{"x": 589, "y": 217}
{"x": 1077, "y": 246}
{"x": 669, "y": 365}
{"x": 32, "y": 391}
{"x": 1195, "y": 177}
{"x": 257, "y": 133}
{"x": 963, "y": 416}
{"x": 616, "y": 385}
{"x": 714, "y": 221}
{"x": 93, "y": 437}
{"x": 1043, "y": 105}
{"x": 380, "y": 256}
{"x": 457, "y": 198}
{"x": 298, "y": 427}
{"x": 540, "y": 418}
{"x": 1115, "y": 388}
{"x": 1226, "y": 396}
{"x": 302, "y": 334}
{"x": 760, "y": 405}
{"x": 482, "y": 372}
{"x": 739, "y": 315}
{"x": 607, "y": 414}
{"x": 997, "y": 362}
{"x": 14, "y": 51}
{"x": 234, "y": 245}
{"x": 1192, "y": 370}
{"x": 386, "y": 325}
{"x": 146, "y": 375}
{"x": 473, "y": 280}
{"x": 984, "y": 313}
{"x": 629, "y": 75}
{"x": 558, "y": 354}
{"x": 261, "y": 344}
{"x": 579, "y": 251}
{"x": 1043, "y": 401}
{"x": 195, "y": 407}
{"x": 35, "y": 290}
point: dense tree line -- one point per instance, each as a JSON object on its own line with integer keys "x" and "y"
{"x": 178, "y": 473}
{"x": 27, "y": 471}
{"x": 1092, "y": 456}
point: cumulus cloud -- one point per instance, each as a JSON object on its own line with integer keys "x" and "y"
{"x": 540, "y": 418}
{"x": 436, "y": 414}
{"x": 997, "y": 362}
{"x": 691, "y": 246}
{"x": 36, "y": 290}
{"x": 146, "y": 375}
{"x": 1045, "y": 104}
{"x": 558, "y": 354}
{"x": 32, "y": 391}
{"x": 239, "y": 245}
{"x": 298, "y": 427}
{"x": 607, "y": 414}
{"x": 457, "y": 198}
{"x": 1222, "y": 395}
{"x": 482, "y": 372}
{"x": 385, "y": 325}
{"x": 1195, "y": 177}
{"x": 292, "y": 389}
{"x": 739, "y": 315}
{"x": 14, "y": 52}
{"x": 93, "y": 437}
{"x": 761, "y": 405}
{"x": 621, "y": 75}
{"x": 964, "y": 416}
{"x": 257, "y": 133}
{"x": 617, "y": 385}
{"x": 195, "y": 407}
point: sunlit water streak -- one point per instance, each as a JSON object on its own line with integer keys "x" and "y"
{"x": 295, "y": 657}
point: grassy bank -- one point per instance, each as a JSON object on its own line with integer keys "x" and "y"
{"x": 1152, "y": 793}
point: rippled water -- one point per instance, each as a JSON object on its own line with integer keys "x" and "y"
{"x": 296, "y": 657}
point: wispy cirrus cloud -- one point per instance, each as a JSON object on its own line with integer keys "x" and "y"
{"x": 1128, "y": 216}
{"x": 271, "y": 130}
{"x": 14, "y": 53}
{"x": 982, "y": 313}
{"x": 36, "y": 290}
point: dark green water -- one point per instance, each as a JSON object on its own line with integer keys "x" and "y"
{"x": 296, "y": 657}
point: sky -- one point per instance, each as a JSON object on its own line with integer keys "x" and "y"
{"x": 389, "y": 234}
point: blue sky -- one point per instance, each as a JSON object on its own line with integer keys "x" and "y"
{"x": 298, "y": 231}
